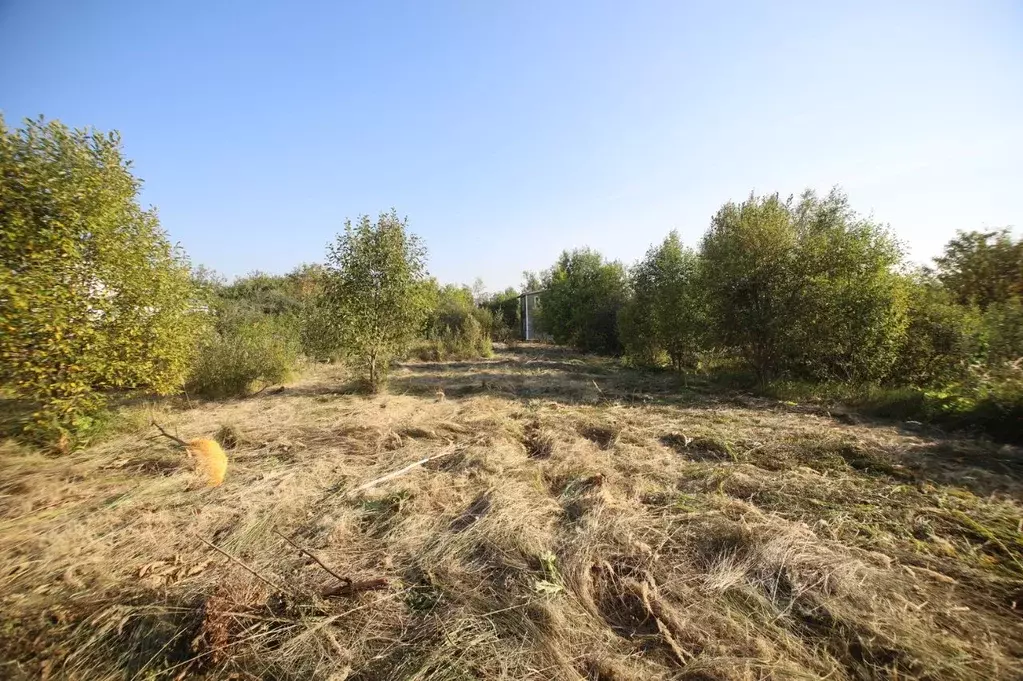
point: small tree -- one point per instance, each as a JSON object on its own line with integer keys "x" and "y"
{"x": 666, "y": 313}
{"x": 375, "y": 298}
{"x": 92, "y": 295}
{"x": 582, "y": 296}
{"x": 942, "y": 338}
{"x": 982, "y": 268}
{"x": 748, "y": 253}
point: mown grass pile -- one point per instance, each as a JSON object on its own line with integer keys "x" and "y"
{"x": 585, "y": 522}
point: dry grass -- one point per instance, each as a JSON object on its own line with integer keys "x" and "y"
{"x": 588, "y": 523}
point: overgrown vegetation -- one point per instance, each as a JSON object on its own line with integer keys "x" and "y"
{"x": 582, "y": 297}
{"x": 93, "y": 297}
{"x": 806, "y": 292}
{"x": 236, "y": 357}
{"x": 457, "y": 327}
{"x": 566, "y": 529}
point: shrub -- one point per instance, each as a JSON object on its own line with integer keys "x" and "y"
{"x": 666, "y": 315}
{"x": 581, "y": 300}
{"x": 806, "y": 289}
{"x": 93, "y": 297}
{"x": 457, "y": 328}
{"x": 982, "y": 268}
{"x": 942, "y": 337}
{"x": 1003, "y": 328}
{"x": 229, "y": 362}
{"x": 505, "y": 311}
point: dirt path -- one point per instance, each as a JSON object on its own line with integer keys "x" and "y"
{"x": 588, "y": 522}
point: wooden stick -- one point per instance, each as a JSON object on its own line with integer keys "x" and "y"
{"x": 238, "y": 562}
{"x": 318, "y": 561}
{"x": 352, "y": 588}
{"x": 166, "y": 434}
{"x": 403, "y": 471}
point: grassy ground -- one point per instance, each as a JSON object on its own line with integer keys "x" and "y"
{"x": 584, "y": 522}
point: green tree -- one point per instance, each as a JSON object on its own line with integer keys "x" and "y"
{"x": 846, "y": 308}
{"x": 582, "y": 296}
{"x": 505, "y": 310}
{"x": 1003, "y": 326}
{"x": 982, "y": 268}
{"x": 942, "y": 337}
{"x": 749, "y": 254}
{"x": 375, "y": 298}
{"x": 806, "y": 288}
{"x": 93, "y": 296}
{"x": 666, "y": 314}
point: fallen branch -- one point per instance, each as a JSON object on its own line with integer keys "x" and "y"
{"x": 168, "y": 435}
{"x": 352, "y": 588}
{"x": 240, "y": 563}
{"x": 403, "y": 471}
{"x": 319, "y": 562}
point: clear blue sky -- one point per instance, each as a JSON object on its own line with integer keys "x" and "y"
{"x": 509, "y": 131}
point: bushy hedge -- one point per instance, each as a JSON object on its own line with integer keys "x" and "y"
{"x": 235, "y": 359}
{"x": 457, "y": 328}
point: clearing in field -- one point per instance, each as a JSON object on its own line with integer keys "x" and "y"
{"x": 584, "y": 522}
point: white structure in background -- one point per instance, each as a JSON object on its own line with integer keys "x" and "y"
{"x": 529, "y": 309}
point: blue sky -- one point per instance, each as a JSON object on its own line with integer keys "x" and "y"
{"x": 507, "y": 132}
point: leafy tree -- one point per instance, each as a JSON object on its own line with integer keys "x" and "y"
{"x": 1003, "y": 326}
{"x": 375, "y": 298}
{"x": 666, "y": 313}
{"x": 942, "y": 337}
{"x": 582, "y": 296}
{"x": 846, "y": 308}
{"x": 506, "y": 312}
{"x": 749, "y": 254}
{"x": 983, "y": 268}
{"x": 805, "y": 288}
{"x": 92, "y": 294}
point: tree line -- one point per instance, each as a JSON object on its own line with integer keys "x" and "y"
{"x": 96, "y": 302}
{"x": 807, "y": 290}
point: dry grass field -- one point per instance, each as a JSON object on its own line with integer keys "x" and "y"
{"x": 583, "y": 521}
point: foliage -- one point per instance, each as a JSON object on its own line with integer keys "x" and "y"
{"x": 750, "y": 248}
{"x": 942, "y": 338}
{"x": 581, "y": 299}
{"x": 1003, "y": 326}
{"x": 982, "y": 268}
{"x": 505, "y": 311}
{"x": 262, "y": 349}
{"x": 93, "y": 296}
{"x": 805, "y": 288}
{"x": 666, "y": 314}
{"x": 375, "y": 296}
{"x": 457, "y": 327}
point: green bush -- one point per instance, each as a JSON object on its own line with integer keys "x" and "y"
{"x": 582, "y": 297}
{"x": 504, "y": 308}
{"x": 942, "y": 337}
{"x": 458, "y": 329}
{"x": 262, "y": 350}
{"x": 804, "y": 289}
{"x": 93, "y": 296}
{"x": 666, "y": 315}
{"x": 1003, "y": 327}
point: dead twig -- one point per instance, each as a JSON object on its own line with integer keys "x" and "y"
{"x": 168, "y": 435}
{"x": 402, "y": 471}
{"x": 240, "y": 563}
{"x": 319, "y": 562}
